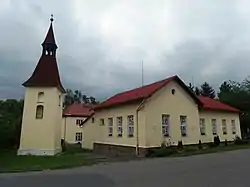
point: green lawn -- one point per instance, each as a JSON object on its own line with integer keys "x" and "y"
{"x": 10, "y": 162}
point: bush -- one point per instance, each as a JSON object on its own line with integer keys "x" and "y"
{"x": 161, "y": 152}
{"x": 200, "y": 145}
{"x": 216, "y": 141}
{"x": 180, "y": 145}
{"x": 225, "y": 142}
{"x": 63, "y": 144}
{"x": 239, "y": 141}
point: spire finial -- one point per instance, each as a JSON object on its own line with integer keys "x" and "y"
{"x": 51, "y": 19}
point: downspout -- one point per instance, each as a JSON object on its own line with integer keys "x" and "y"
{"x": 64, "y": 135}
{"x": 137, "y": 126}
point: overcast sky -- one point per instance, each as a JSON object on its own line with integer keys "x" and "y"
{"x": 102, "y": 42}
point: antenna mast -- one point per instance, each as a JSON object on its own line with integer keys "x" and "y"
{"x": 142, "y": 73}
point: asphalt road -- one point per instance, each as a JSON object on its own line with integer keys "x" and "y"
{"x": 227, "y": 169}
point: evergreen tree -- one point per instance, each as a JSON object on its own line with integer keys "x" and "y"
{"x": 197, "y": 91}
{"x": 207, "y": 90}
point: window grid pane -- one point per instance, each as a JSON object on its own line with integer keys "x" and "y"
{"x": 224, "y": 126}
{"x": 130, "y": 125}
{"x": 165, "y": 125}
{"x": 183, "y": 126}
{"x": 202, "y": 126}
{"x": 110, "y": 126}
{"x": 119, "y": 126}
{"x": 214, "y": 126}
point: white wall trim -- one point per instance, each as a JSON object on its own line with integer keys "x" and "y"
{"x": 125, "y": 145}
{"x": 39, "y": 152}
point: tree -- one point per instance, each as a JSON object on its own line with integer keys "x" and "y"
{"x": 237, "y": 94}
{"x": 10, "y": 122}
{"x": 197, "y": 91}
{"x": 207, "y": 91}
{"x": 77, "y": 97}
{"x": 191, "y": 87}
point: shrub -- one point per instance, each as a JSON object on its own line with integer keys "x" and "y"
{"x": 216, "y": 141}
{"x": 239, "y": 141}
{"x": 180, "y": 145}
{"x": 200, "y": 145}
{"x": 63, "y": 144}
{"x": 161, "y": 152}
{"x": 225, "y": 142}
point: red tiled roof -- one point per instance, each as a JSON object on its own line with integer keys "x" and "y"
{"x": 46, "y": 74}
{"x": 212, "y": 104}
{"x": 79, "y": 110}
{"x": 50, "y": 38}
{"x": 142, "y": 93}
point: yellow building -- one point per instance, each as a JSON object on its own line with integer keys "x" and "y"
{"x": 132, "y": 121}
{"x": 43, "y": 101}
{"x": 73, "y": 118}
{"x": 162, "y": 112}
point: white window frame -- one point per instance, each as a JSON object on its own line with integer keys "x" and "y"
{"x": 165, "y": 118}
{"x": 78, "y": 137}
{"x": 183, "y": 125}
{"x": 202, "y": 126}
{"x": 224, "y": 126}
{"x": 119, "y": 126}
{"x": 233, "y": 124}
{"x": 110, "y": 126}
{"x": 130, "y": 125}
{"x": 214, "y": 126}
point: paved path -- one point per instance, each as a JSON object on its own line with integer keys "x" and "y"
{"x": 228, "y": 169}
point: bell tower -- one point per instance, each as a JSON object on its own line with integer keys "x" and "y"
{"x": 42, "y": 113}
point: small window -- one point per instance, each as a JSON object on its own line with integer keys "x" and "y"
{"x": 78, "y": 136}
{"x": 59, "y": 100}
{"x": 183, "y": 121}
{"x": 110, "y": 126}
{"x": 119, "y": 126}
{"x": 165, "y": 125}
{"x": 93, "y": 120}
{"x": 40, "y": 97}
{"x": 79, "y": 121}
{"x": 102, "y": 122}
{"x": 173, "y": 91}
{"x": 233, "y": 126}
{"x": 214, "y": 126}
{"x": 202, "y": 127}
{"x": 39, "y": 112}
{"x": 130, "y": 126}
{"x": 224, "y": 126}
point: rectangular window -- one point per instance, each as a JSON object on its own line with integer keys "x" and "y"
{"x": 119, "y": 126}
{"x": 214, "y": 126}
{"x": 202, "y": 127}
{"x": 165, "y": 125}
{"x": 110, "y": 126}
{"x": 233, "y": 126}
{"x": 78, "y": 136}
{"x": 130, "y": 126}
{"x": 102, "y": 122}
{"x": 93, "y": 120}
{"x": 224, "y": 126}
{"x": 183, "y": 122}
{"x": 79, "y": 121}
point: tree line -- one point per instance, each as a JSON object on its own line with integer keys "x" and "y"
{"x": 236, "y": 94}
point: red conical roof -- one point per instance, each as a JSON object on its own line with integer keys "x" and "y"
{"x": 46, "y": 73}
{"x": 50, "y": 38}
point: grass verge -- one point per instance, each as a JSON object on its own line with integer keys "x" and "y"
{"x": 10, "y": 162}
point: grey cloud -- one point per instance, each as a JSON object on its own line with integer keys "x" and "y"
{"x": 206, "y": 40}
